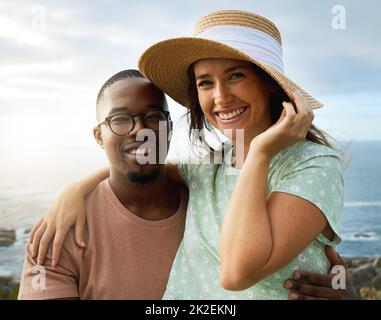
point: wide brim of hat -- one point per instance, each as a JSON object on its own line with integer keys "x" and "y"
{"x": 166, "y": 65}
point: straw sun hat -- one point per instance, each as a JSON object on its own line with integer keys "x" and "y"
{"x": 228, "y": 34}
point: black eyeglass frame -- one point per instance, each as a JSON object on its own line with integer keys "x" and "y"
{"x": 133, "y": 116}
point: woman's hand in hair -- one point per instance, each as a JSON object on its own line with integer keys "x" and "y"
{"x": 292, "y": 127}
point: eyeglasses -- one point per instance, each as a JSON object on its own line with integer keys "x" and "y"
{"x": 122, "y": 124}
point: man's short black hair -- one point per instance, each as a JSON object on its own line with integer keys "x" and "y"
{"x": 130, "y": 73}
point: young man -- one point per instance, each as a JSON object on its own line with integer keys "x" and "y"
{"x": 135, "y": 219}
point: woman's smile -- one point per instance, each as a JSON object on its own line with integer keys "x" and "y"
{"x": 231, "y": 115}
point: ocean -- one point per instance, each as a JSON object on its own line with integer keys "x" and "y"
{"x": 32, "y": 178}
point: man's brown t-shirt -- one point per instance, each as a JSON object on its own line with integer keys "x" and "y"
{"x": 126, "y": 257}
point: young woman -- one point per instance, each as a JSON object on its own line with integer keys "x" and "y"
{"x": 274, "y": 203}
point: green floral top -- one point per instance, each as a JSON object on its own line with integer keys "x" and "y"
{"x": 308, "y": 170}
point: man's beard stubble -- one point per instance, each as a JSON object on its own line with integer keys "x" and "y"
{"x": 143, "y": 178}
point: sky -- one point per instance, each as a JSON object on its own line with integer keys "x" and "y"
{"x": 55, "y": 55}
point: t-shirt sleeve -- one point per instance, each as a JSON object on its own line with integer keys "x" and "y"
{"x": 182, "y": 168}
{"x": 318, "y": 178}
{"x": 187, "y": 167}
{"x": 43, "y": 282}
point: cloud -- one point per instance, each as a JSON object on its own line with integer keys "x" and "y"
{"x": 55, "y": 67}
{"x": 54, "y": 56}
{"x": 12, "y": 30}
{"x": 355, "y": 116}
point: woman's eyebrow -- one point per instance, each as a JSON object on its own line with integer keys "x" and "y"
{"x": 202, "y": 76}
{"x": 236, "y": 67}
{"x": 230, "y": 69}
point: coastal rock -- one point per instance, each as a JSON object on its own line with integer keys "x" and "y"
{"x": 363, "y": 275}
{"x": 377, "y": 262}
{"x": 6, "y": 292}
{"x": 9, "y": 287}
{"x": 7, "y": 237}
{"x": 353, "y": 263}
{"x": 362, "y": 235}
{"x": 375, "y": 282}
{"x": 14, "y": 283}
{"x": 5, "y": 280}
{"x": 356, "y": 263}
{"x": 370, "y": 293}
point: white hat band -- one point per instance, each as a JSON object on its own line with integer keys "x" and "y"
{"x": 255, "y": 43}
